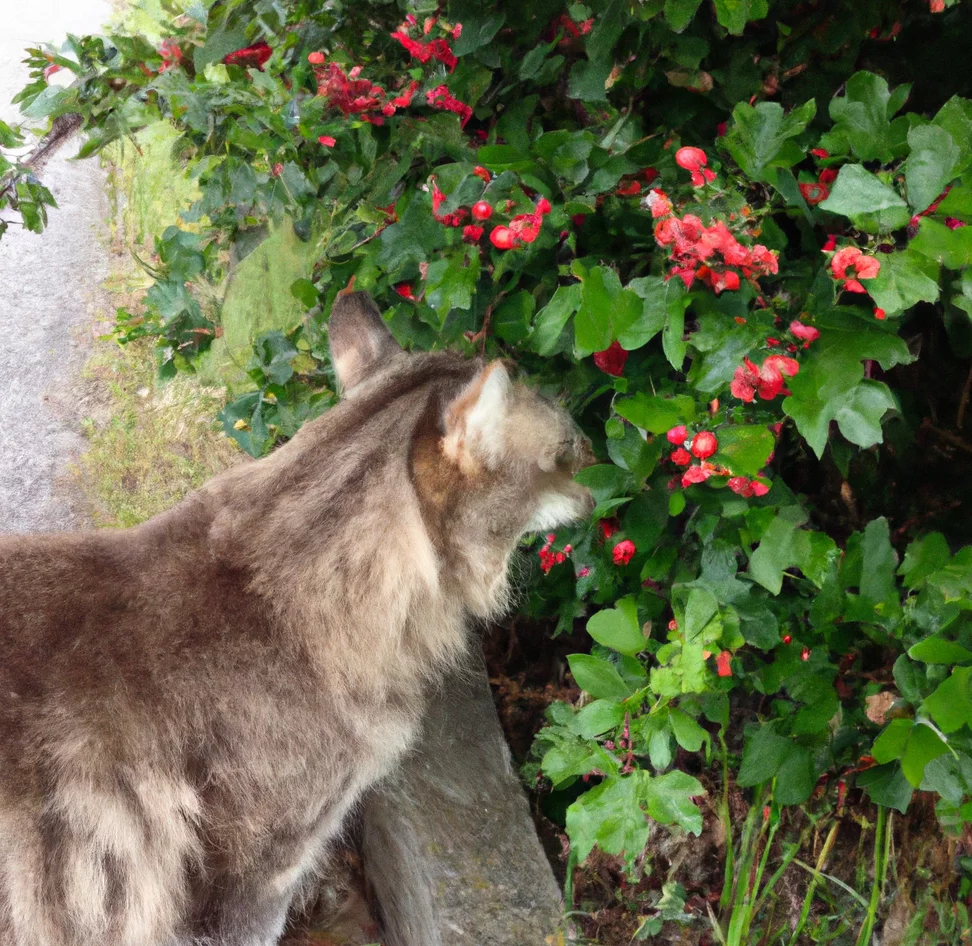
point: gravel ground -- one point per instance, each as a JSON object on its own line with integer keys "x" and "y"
{"x": 50, "y": 295}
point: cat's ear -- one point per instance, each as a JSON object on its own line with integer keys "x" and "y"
{"x": 476, "y": 421}
{"x": 360, "y": 340}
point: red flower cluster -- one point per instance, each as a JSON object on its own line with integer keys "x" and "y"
{"x": 702, "y": 445}
{"x": 523, "y": 228}
{"x": 766, "y": 381}
{"x": 170, "y": 53}
{"x": 612, "y": 359}
{"x": 623, "y": 552}
{"x": 571, "y": 29}
{"x": 806, "y": 333}
{"x": 453, "y": 219}
{"x": 549, "y": 557}
{"x": 440, "y": 98}
{"x": 851, "y": 258}
{"x": 352, "y": 95}
{"x": 254, "y": 56}
{"x": 706, "y": 252}
{"x": 695, "y": 160}
{"x": 437, "y": 49}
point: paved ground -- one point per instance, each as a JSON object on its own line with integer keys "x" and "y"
{"x": 50, "y": 291}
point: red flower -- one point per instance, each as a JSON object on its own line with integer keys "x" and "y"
{"x": 406, "y": 291}
{"x": 851, "y": 257}
{"x": 611, "y": 360}
{"x": 423, "y": 52}
{"x": 316, "y": 59}
{"x": 608, "y": 527}
{"x": 696, "y": 474}
{"x": 740, "y": 486}
{"x": 805, "y": 653}
{"x": 327, "y": 141}
{"x": 695, "y": 160}
{"x": 814, "y": 193}
{"x": 721, "y": 130}
{"x": 830, "y": 245}
{"x": 471, "y": 234}
{"x": 658, "y": 203}
{"x": 543, "y": 206}
{"x": 481, "y": 210}
{"x": 953, "y": 223}
{"x": 623, "y": 552}
{"x": 681, "y": 457}
{"x": 251, "y": 56}
{"x": 50, "y": 70}
{"x": 880, "y": 314}
{"x": 723, "y": 667}
{"x": 828, "y": 176}
{"x": 440, "y": 98}
{"x": 677, "y": 435}
{"x": 704, "y": 444}
{"x": 806, "y": 333}
{"x": 759, "y": 488}
{"x": 650, "y": 175}
{"x": 819, "y": 153}
{"x": 629, "y": 189}
{"x": 482, "y": 174}
{"x": 767, "y": 381}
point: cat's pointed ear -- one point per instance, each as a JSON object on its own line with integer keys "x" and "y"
{"x": 360, "y": 340}
{"x": 476, "y": 421}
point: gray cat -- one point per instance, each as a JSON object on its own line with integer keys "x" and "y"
{"x": 190, "y": 708}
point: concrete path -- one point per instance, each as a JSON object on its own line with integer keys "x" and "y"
{"x": 50, "y": 290}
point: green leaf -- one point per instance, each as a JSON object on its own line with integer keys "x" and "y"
{"x": 794, "y": 777}
{"x": 606, "y": 311}
{"x": 450, "y": 283}
{"x": 951, "y": 248}
{"x": 598, "y": 676}
{"x": 744, "y": 448}
{"x": 831, "y": 386}
{"x": 669, "y": 800}
{"x": 905, "y": 279}
{"x": 702, "y": 606}
{"x": 924, "y": 744}
{"x": 663, "y": 309}
{"x": 597, "y": 718}
{"x": 550, "y": 321}
{"x": 862, "y": 115}
{"x": 930, "y": 166}
{"x": 604, "y": 480}
{"x": 759, "y": 133}
{"x": 950, "y": 706}
{"x": 887, "y": 786}
{"x": 955, "y": 116}
{"x": 679, "y": 13}
{"x": 688, "y": 733}
{"x": 618, "y": 627}
{"x": 866, "y": 201}
{"x": 923, "y": 557}
{"x": 735, "y": 14}
{"x": 777, "y": 550}
{"x": 610, "y": 816}
{"x": 939, "y": 650}
{"x": 656, "y": 414}
{"x": 890, "y": 744}
{"x": 478, "y": 28}
{"x": 877, "y": 571}
{"x": 763, "y": 754}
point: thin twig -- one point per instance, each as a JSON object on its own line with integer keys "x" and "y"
{"x": 964, "y": 401}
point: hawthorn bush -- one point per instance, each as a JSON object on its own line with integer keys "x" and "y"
{"x": 732, "y": 237}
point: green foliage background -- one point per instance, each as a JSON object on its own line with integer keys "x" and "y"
{"x": 851, "y": 577}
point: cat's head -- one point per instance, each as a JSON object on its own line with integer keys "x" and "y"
{"x": 490, "y": 459}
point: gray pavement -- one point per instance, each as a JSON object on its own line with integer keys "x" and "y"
{"x": 50, "y": 293}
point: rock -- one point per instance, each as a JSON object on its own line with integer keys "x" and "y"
{"x": 449, "y": 845}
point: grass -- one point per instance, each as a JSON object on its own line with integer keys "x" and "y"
{"x": 148, "y": 444}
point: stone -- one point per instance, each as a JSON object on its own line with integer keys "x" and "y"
{"x": 449, "y": 846}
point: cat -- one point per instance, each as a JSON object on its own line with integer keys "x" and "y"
{"x": 190, "y": 708}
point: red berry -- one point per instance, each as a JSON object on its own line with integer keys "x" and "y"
{"x": 704, "y": 444}
{"x": 481, "y": 210}
{"x": 502, "y": 238}
{"x": 787, "y": 638}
